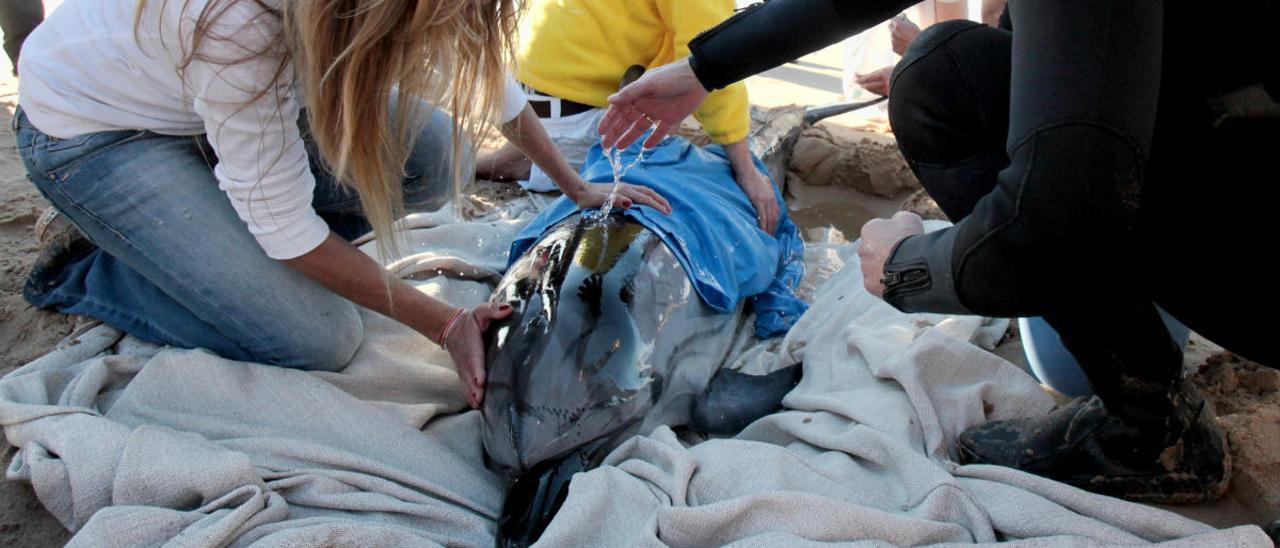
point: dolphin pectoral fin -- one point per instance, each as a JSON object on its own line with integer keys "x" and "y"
{"x": 537, "y": 494}
{"x": 733, "y": 400}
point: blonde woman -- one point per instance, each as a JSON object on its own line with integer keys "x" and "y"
{"x": 220, "y": 197}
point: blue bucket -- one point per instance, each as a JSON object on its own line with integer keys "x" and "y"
{"x": 1055, "y": 366}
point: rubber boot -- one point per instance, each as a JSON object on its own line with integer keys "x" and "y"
{"x": 1147, "y": 435}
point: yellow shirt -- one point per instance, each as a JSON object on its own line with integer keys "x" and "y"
{"x": 579, "y": 49}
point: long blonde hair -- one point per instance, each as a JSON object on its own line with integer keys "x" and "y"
{"x": 350, "y": 55}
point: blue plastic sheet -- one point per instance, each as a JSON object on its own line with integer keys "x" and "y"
{"x": 712, "y": 229}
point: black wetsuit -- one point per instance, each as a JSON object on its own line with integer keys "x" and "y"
{"x": 1086, "y": 159}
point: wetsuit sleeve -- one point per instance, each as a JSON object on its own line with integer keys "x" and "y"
{"x": 769, "y": 34}
{"x": 1062, "y": 219}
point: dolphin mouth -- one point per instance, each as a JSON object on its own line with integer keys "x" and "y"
{"x": 536, "y": 495}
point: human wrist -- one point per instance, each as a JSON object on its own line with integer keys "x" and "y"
{"x": 739, "y": 156}
{"x": 450, "y": 325}
{"x": 574, "y": 188}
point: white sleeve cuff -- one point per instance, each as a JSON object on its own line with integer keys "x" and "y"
{"x": 297, "y": 238}
{"x": 513, "y": 101}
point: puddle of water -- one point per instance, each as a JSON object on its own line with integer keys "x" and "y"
{"x": 843, "y": 208}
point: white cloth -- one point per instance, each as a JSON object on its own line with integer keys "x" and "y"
{"x": 88, "y": 68}
{"x": 144, "y": 446}
{"x": 573, "y": 136}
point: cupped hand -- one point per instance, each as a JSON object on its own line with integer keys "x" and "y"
{"x": 759, "y": 189}
{"x": 902, "y": 32}
{"x": 466, "y": 346}
{"x": 876, "y": 81}
{"x": 596, "y": 194}
{"x": 879, "y": 238}
{"x": 660, "y": 99}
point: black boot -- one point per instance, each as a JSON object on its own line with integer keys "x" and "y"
{"x": 1184, "y": 460}
{"x": 1147, "y": 435}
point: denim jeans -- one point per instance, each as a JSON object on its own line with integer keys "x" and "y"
{"x": 175, "y": 265}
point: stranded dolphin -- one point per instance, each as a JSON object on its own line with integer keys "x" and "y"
{"x": 608, "y": 340}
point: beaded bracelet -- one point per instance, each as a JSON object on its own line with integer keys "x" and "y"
{"x": 448, "y": 327}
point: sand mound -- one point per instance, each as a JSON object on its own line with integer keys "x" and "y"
{"x": 827, "y": 154}
{"x": 1246, "y": 397}
{"x": 923, "y": 205}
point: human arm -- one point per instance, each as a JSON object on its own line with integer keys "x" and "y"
{"x": 876, "y": 81}
{"x": 754, "y": 40}
{"x": 250, "y": 116}
{"x": 756, "y": 185}
{"x": 902, "y": 32}
{"x": 525, "y": 131}
{"x": 341, "y": 268}
{"x": 724, "y": 112}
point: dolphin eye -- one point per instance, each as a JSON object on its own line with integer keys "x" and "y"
{"x": 628, "y": 292}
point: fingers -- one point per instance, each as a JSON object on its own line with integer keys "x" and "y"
{"x": 638, "y": 126}
{"x": 869, "y": 234}
{"x": 471, "y": 364}
{"x": 487, "y": 312}
{"x": 473, "y": 382}
{"x": 660, "y": 132}
{"x": 647, "y": 196}
{"x": 771, "y": 217}
{"x": 661, "y": 203}
{"x": 616, "y": 120}
{"x": 767, "y": 213}
{"x": 909, "y": 219}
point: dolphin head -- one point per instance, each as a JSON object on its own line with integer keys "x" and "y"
{"x": 567, "y": 368}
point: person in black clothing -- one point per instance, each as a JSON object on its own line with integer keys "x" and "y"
{"x": 17, "y": 19}
{"x": 1102, "y": 157}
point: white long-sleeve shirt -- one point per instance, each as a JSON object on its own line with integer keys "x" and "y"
{"x": 86, "y": 70}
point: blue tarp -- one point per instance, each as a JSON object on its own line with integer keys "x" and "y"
{"x": 712, "y": 229}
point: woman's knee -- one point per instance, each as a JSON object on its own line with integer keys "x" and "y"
{"x": 324, "y": 341}
{"x": 434, "y": 162}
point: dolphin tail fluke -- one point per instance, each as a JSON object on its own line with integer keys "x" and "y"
{"x": 733, "y": 400}
{"x": 537, "y": 494}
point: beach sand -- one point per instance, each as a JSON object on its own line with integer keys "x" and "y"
{"x": 864, "y": 178}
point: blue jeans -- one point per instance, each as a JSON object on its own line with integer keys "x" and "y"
{"x": 175, "y": 265}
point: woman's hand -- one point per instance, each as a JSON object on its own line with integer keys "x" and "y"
{"x": 759, "y": 190}
{"x": 756, "y": 185}
{"x": 876, "y": 81}
{"x": 588, "y": 195}
{"x": 465, "y": 343}
{"x": 663, "y": 97}
{"x": 902, "y": 32}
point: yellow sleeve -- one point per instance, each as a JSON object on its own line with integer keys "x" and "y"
{"x": 723, "y": 114}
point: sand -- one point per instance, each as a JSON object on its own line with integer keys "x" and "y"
{"x": 25, "y": 333}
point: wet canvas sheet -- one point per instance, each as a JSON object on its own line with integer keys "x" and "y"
{"x": 129, "y": 444}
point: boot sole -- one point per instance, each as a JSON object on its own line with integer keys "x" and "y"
{"x": 1172, "y": 488}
